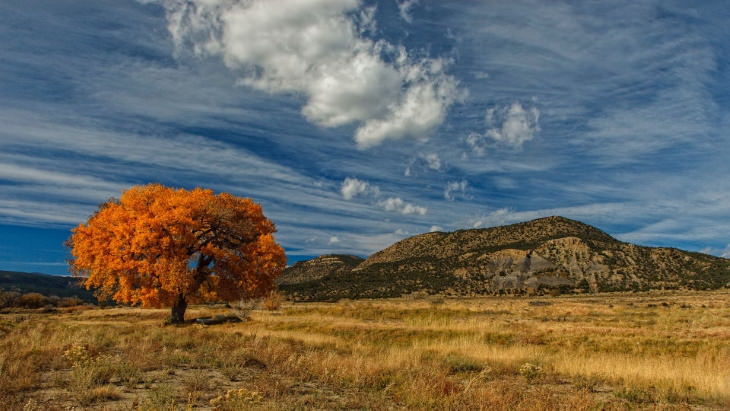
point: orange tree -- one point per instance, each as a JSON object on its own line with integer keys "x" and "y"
{"x": 157, "y": 246}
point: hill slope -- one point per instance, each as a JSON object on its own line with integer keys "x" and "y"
{"x": 534, "y": 256}
{"x": 332, "y": 265}
{"x": 45, "y": 284}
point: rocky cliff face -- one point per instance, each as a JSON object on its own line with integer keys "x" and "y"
{"x": 552, "y": 253}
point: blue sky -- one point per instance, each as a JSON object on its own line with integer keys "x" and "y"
{"x": 357, "y": 124}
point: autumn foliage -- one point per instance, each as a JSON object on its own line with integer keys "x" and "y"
{"x": 157, "y": 246}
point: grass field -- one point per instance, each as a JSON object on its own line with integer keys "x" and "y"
{"x": 628, "y": 351}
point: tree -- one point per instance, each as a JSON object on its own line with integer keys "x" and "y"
{"x": 158, "y": 246}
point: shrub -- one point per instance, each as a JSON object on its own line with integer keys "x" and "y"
{"x": 8, "y": 298}
{"x": 77, "y": 355}
{"x": 32, "y": 300}
{"x": 436, "y": 300}
{"x": 588, "y": 383}
{"x": 88, "y": 373}
{"x": 161, "y": 397}
{"x": 636, "y": 395}
{"x": 272, "y": 302}
{"x": 236, "y": 399}
{"x": 530, "y": 371}
{"x": 70, "y": 302}
{"x": 457, "y": 364}
{"x": 197, "y": 381}
{"x": 103, "y": 393}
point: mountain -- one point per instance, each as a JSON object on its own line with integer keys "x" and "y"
{"x": 48, "y": 285}
{"x": 545, "y": 255}
{"x": 332, "y": 265}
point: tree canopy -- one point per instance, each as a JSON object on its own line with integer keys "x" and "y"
{"x": 158, "y": 246}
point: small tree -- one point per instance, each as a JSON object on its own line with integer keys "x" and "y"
{"x": 157, "y": 246}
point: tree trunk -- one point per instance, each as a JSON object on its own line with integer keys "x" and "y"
{"x": 177, "y": 314}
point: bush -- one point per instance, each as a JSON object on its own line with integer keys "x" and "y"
{"x": 8, "y": 298}
{"x": 90, "y": 373}
{"x": 457, "y": 364}
{"x": 272, "y": 302}
{"x": 198, "y": 381}
{"x": 32, "y": 300}
{"x": 436, "y": 300}
{"x": 530, "y": 371}
{"x": 236, "y": 399}
{"x": 160, "y": 397}
{"x": 70, "y": 302}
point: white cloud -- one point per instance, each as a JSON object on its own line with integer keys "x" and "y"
{"x": 453, "y": 188}
{"x": 423, "y": 163}
{"x": 477, "y": 143}
{"x": 333, "y": 240}
{"x": 496, "y": 217}
{"x": 435, "y": 228}
{"x": 404, "y": 8}
{"x": 433, "y": 161}
{"x": 513, "y": 125}
{"x": 720, "y": 252}
{"x": 352, "y": 187}
{"x": 397, "y": 204}
{"x": 315, "y": 48}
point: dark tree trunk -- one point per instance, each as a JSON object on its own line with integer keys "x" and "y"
{"x": 177, "y": 314}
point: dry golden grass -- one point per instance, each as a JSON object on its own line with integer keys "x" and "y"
{"x": 628, "y": 351}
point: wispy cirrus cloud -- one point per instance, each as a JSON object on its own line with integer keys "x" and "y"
{"x": 621, "y": 117}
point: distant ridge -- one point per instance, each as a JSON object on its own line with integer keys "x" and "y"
{"x": 315, "y": 269}
{"x": 543, "y": 255}
{"x": 48, "y": 285}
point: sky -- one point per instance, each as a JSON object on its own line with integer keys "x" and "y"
{"x": 359, "y": 123}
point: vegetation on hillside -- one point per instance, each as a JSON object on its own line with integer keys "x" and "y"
{"x": 544, "y": 256}
{"x": 48, "y": 285}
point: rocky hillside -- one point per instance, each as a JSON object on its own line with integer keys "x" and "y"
{"x": 544, "y": 255}
{"x": 332, "y": 265}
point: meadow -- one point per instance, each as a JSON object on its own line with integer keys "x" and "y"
{"x": 660, "y": 350}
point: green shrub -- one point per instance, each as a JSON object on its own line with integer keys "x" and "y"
{"x": 530, "y": 371}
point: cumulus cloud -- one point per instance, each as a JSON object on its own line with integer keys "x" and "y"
{"x": 316, "y": 49}
{"x": 333, "y": 240}
{"x": 404, "y": 8}
{"x": 424, "y": 162}
{"x": 397, "y": 204}
{"x": 477, "y": 143}
{"x": 433, "y": 161}
{"x": 453, "y": 188}
{"x": 353, "y": 187}
{"x": 513, "y": 125}
{"x": 510, "y": 126}
{"x": 435, "y": 228}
